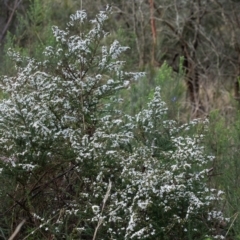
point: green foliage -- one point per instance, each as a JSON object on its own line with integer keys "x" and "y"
{"x": 172, "y": 88}
{"x": 127, "y": 37}
{"x": 223, "y": 141}
{"x": 34, "y": 28}
{"x": 32, "y": 35}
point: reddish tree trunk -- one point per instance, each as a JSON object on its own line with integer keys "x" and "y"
{"x": 154, "y": 31}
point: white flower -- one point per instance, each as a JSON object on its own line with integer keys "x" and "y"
{"x": 95, "y": 209}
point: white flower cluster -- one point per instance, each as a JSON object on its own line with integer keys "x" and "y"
{"x": 58, "y": 114}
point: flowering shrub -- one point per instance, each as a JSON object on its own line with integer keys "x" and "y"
{"x": 84, "y": 170}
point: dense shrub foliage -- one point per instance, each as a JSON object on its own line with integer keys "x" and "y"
{"x": 76, "y": 167}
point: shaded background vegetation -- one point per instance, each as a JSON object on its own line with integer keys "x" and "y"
{"x": 188, "y": 47}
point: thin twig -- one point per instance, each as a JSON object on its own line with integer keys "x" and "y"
{"x": 100, "y": 221}
{"x": 236, "y": 215}
{"x": 18, "y": 228}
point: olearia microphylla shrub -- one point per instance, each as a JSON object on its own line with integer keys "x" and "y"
{"x": 83, "y": 169}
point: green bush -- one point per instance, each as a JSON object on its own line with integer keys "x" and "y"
{"x": 222, "y": 139}
{"x": 76, "y": 167}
